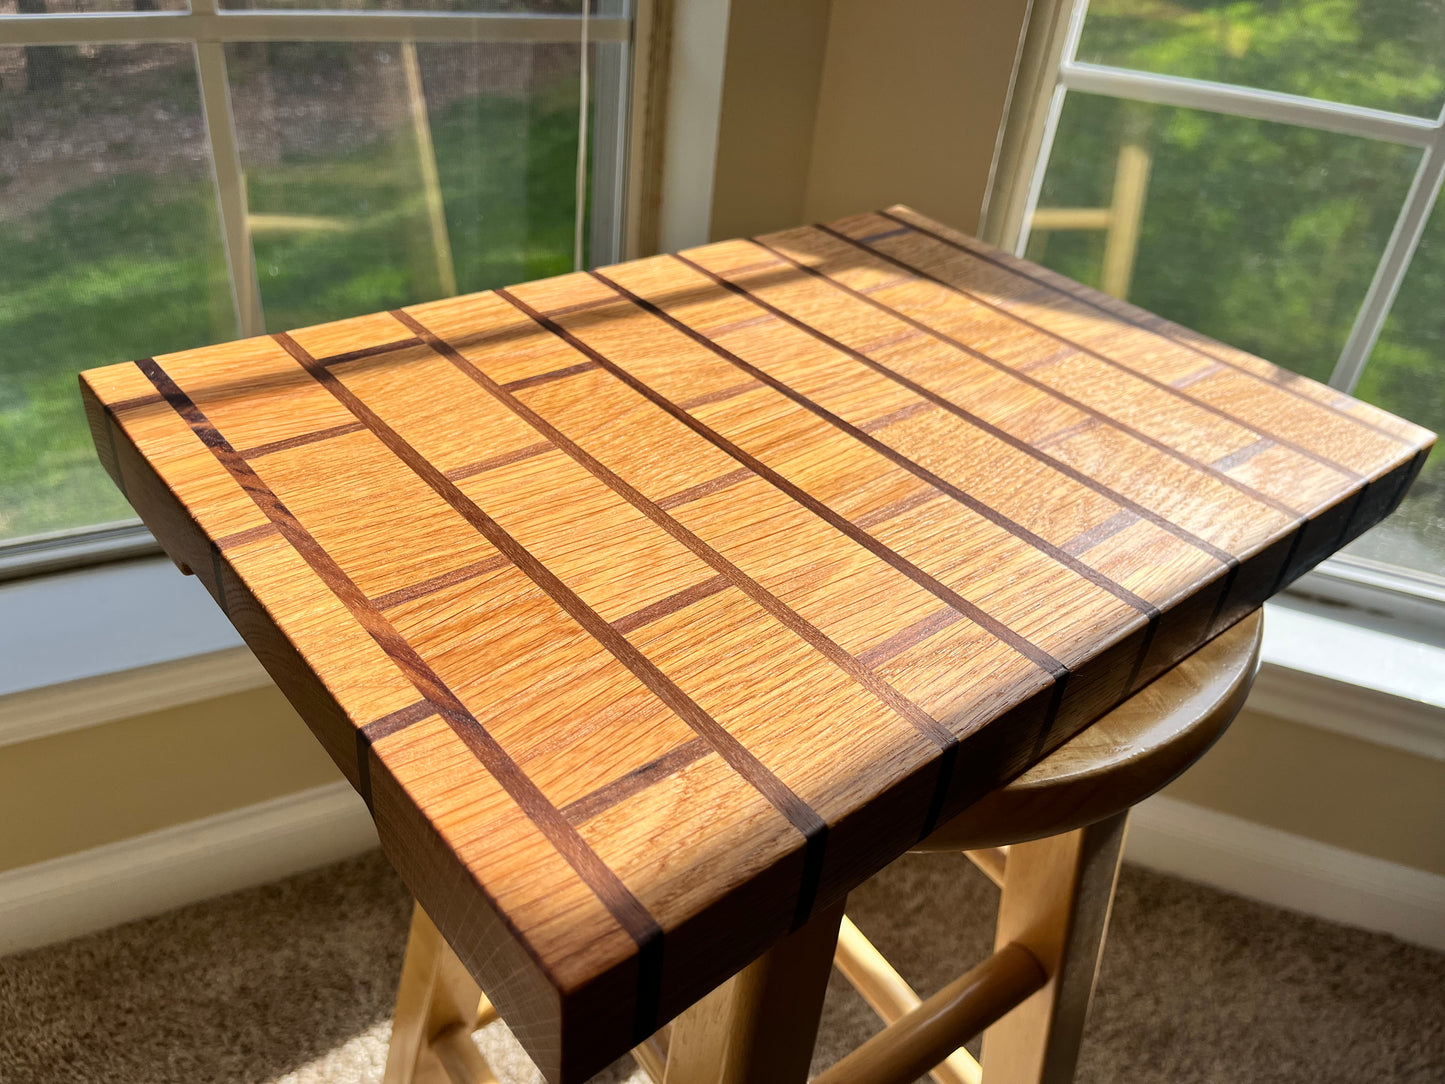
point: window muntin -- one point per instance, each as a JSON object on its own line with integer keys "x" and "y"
{"x": 163, "y": 237}
{"x": 1343, "y": 191}
{"x": 1381, "y": 54}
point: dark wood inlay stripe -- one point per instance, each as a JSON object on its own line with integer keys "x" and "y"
{"x": 122, "y": 405}
{"x": 671, "y": 604}
{"x": 1033, "y": 382}
{"x": 902, "y": 414}
{"x": 1198, "y": 375}
{"x": 1099, "y": 532}
{"x": 436, "y": 583}
{"x": 963, "y": 497}
{"x": 250, "y": 534}
{"x": 1146, "y": 321}
{"x": 1162, "y": 385}
{"x": 1032, "y": 451}
{"x": 377, "y": 729}
{"x": 896, "y": 508}
{"x": 911, "y": 636}
{"x": 506, "y": 459}
{"x": 368, "y": 351}
{"x": 798, "y": 812}
{"x": 722, "y": 395}
{"x": 547, "y": 378}
{"x": 634, "y": 782}
{"x": 596, "y": 874}
{"x": 1032, "y": 652}
{"x": 885, "y": 234}
{"x": 300, "y": 440}
{"x": 703, "y": 489}
{"x": 1243, "y": 455}
{"x": 397, "y": 720}
{"x": 783, "y": 613}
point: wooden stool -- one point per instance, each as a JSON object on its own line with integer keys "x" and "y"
{"x": 1051, "y": 839}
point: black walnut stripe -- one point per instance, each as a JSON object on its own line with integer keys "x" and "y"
{"x": 1136, "y": 317}
{"x": 678, "y": 600}
{"x": 374, "y": 731}
{"x": 799, "y": 814}
{"x": 596, "y": 874}
{"x": 547, "y": 378}
{"x": 722, "y": 395}
{"x": 703, "y": 489}
{"x": 1202, "y": 404}
{"x": 909, "y": 637}
{"x": 368, "y": 352}
{"x": 1098, "y": 416}
{"x": 436, "y": 583}
{"x": 1022, "y": 533}
{"x": 1056, "y": 670}
{"x": 120, "y": 406}
{"x": 506, "y": 459}
{"x": 634, "y": 782}
{"x": 789, "y": 618}
{"x": 1039, "y": 657}
{"x": 250, "y": 534}
{"x": 300, "y": 440}
{"x": 934, "y": 399}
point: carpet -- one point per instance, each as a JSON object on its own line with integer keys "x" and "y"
{"x": 292, "y": 983}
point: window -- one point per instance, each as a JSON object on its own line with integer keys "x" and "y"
{"x": 1268, "y": 172}
{"x": 173, "y": 176}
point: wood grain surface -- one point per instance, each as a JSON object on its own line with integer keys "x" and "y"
{"x": 652, "y": 609}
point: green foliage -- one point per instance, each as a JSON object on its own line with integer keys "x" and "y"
{"x": 1265, "y": 235}
{"x": 133, "y": 265}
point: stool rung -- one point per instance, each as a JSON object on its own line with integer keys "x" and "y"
{"x": 891, "y": 997}
{"x": 993, "y": 861}
{"x": 651, "y": 1055}
{"x": 460, "y": 1057}
{"x": 922, "y": 1038}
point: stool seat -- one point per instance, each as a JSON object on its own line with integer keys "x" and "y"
{"x": 1122, "y": 758}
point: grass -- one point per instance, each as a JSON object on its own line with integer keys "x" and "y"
{"x": 133, "y": 265}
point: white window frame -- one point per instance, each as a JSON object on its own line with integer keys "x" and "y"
{"x": 1048, "y": 69}
{"x": 207, "y": 28}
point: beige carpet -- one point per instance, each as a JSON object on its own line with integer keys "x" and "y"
{"x": 293, "y": 983}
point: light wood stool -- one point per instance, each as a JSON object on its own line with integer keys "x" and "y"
{"x": 1051, "y": 839}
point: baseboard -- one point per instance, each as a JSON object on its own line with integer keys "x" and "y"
{"x": 106, "y": 698}
{"x": 77, "y": 894}
{"x": 105, "y": 886}
{"x": 1287, "y": 870}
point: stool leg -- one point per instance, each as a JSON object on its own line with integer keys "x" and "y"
{"x": 438, "y": 1006}
{"x": 759, "y": 1027}
{"x": 1056, "y": 902}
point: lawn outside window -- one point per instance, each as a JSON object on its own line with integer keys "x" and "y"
{"x": 172, "y": 177}
{"x": 1267, "y": 172}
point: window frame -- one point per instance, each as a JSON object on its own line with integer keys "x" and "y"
{"x": 1048, "y": 69}
{"x": 618, "y": 87}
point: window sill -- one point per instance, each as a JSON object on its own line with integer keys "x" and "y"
{"x": 92, "y": 646}
{"x": 82, "y": 648}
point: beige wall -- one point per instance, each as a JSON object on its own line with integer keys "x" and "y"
{"x": 833, "y": 108}
{"x": 1324, "y": 786}
{"x": 88, "y": 787}
{"x": 770, "y": 99}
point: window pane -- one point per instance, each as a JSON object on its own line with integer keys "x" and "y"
{"x": 1406, "y": 376}
{"x": 523, "y": 7}
{"x": 344, "y": 217}
{"x": 110, "y": 249}
{"x": 1263, "y": 235}
{"x": 76, "y": 7}
{"x": 1386, "y": 54}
